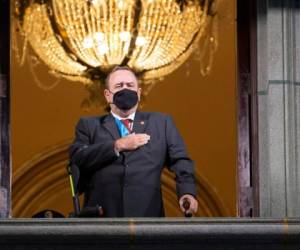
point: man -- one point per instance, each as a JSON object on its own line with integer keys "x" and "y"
{"x": 123, "y": 154}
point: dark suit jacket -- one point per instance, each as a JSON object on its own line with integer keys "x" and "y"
{"x": 129, "y": 185}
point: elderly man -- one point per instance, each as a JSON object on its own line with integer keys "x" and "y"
{"x": 122, "y": 154}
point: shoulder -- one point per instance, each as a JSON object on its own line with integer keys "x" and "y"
{"x": 158, "y": 118}
{"x": 155, "y": 115}
{"x": 91, "y": 120}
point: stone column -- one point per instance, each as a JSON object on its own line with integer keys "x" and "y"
{"x": 5, "y": 169}
{"x": 278, "y": 44}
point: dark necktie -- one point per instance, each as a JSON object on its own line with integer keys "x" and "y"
{"x": 127, "y": 123}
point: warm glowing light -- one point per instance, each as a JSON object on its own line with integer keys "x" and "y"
{"x": 79, "y": 39}
{"x": 97, "y": 2}
{"x": 88, "y": 43}
{"x": 124, "y": 36}
{"x": 140, "y": 41}
{"x": 99, "y": 36}
{"x": 122, "y": 4}
{"x": 102, "y": 49}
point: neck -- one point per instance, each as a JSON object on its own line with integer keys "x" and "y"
{"x": 123, "y": 113}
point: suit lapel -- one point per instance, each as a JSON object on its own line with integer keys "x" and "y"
{"x": 110, "y": 125}
{"x": 139, "y": 126}
{"x": 140, "y": 123}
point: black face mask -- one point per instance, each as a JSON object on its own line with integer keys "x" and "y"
{"x": 125, "y": 99}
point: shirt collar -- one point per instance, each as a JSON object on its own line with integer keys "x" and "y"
{"x": 131, "y": 116}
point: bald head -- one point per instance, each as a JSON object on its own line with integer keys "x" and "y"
{"x": 116, "y": 73}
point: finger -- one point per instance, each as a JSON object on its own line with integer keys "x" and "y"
{"x": 193, "y": 208}
{"x": 142, "y": 142}
{"x": 139, "y": 142}
{"x": 189, "y": 212}
{"x": 143, "y": 136}
{"x": 182, "y": 209}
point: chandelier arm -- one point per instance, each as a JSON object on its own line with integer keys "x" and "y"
{"x": 168, "y": 68}
{"x": 37, "y": 28}
{"x": 62, "y": 42}
{"x": 154, "y": 35}
{"x": 205, "y": 5}
{"x": 98, "y": 29}
{"x": 91, "y": 72}
{"x": 82, "y": 40}
{"x": 209, "y": 5}
{"x": 197, "y": 35}
{"x": 20, "y": 7}
{"x": 20, "y": 52}
{"x": 162, "y": 71}
{"x": 19, "y": 11}
{"x": 138, "y": 10}
{"x": 38, "y": 82}
{"x": 168, "y": 36}
{"x": 188, "y": 50}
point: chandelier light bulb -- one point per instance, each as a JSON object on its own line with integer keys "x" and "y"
{"x": 99, "y": 36}
{"x": 88, "y": 42}
{"x": 125, "y": 36}
{"x": 140, "y": 41}
{"x": 121, "y": 4}
{"x": 97, "y": 2}
{"x": 103, "y": 49}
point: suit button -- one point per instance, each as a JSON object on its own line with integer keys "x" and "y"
{"x": 125, "y": 184}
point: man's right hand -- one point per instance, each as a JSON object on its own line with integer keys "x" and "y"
{"x": 131, "y": 142}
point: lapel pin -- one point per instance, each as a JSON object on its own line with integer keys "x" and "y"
{"x": 142, "y": 122}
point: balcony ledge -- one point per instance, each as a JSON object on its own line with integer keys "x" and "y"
{"x": 135, "y": 233}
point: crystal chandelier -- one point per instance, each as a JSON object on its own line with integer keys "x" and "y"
{"x": 82, "y": 40}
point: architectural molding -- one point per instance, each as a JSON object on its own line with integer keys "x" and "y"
{"x": 44, "y": 177}
{"x": 279, "y": 107}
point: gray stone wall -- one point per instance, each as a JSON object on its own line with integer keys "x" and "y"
{"x": 279, "y": 107}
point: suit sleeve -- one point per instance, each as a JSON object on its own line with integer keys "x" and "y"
{"x": 88, "y": 156}
{"x": 178, "y": 161}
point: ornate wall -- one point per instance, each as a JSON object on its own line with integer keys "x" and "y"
{"x": 204, "y": 110}
{"x": 42, "y": 183}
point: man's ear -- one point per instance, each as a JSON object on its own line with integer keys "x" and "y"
{"x": 107, "y": 95}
